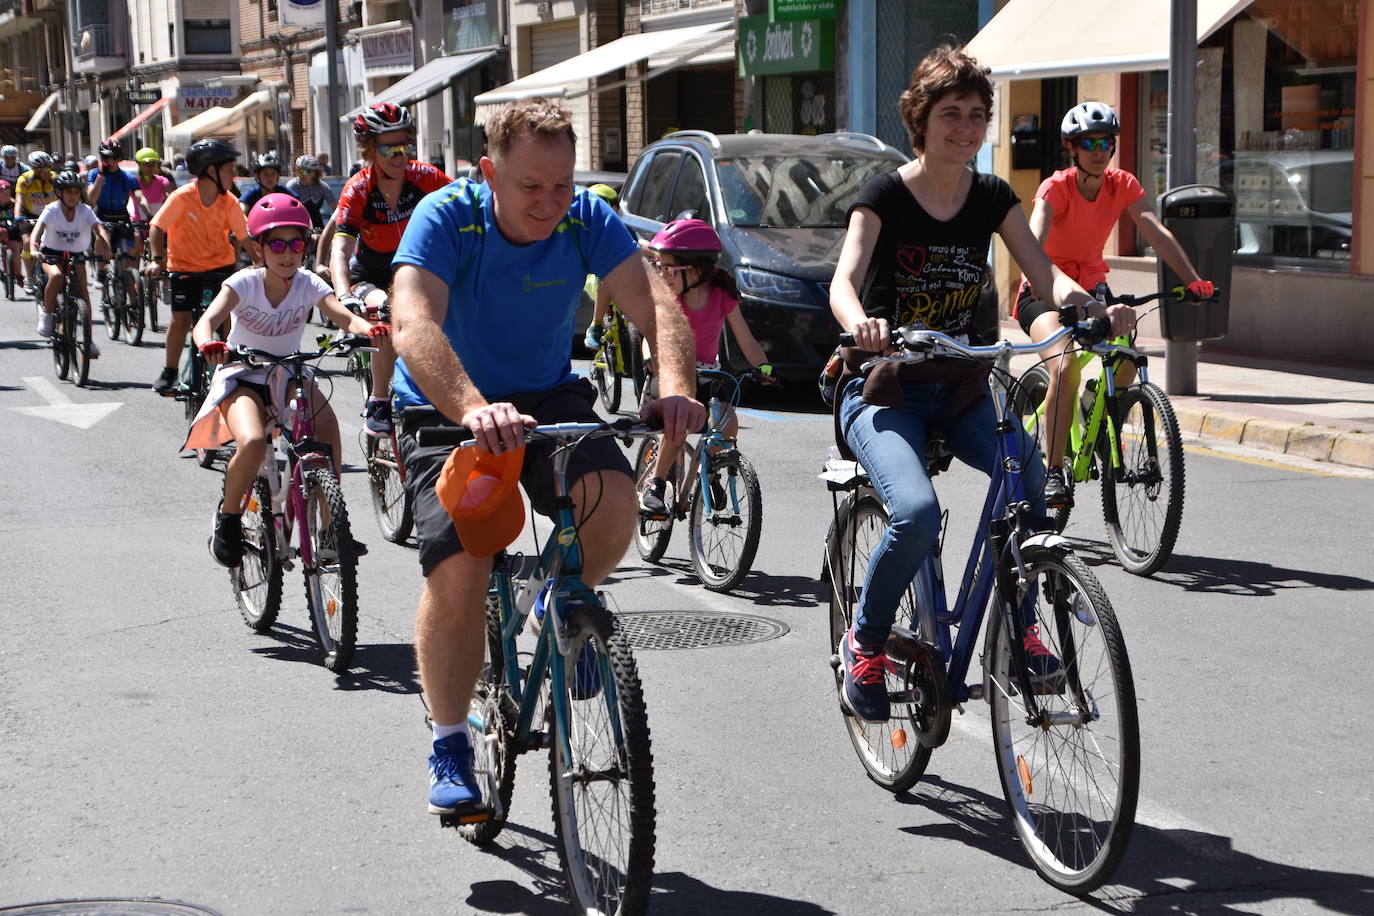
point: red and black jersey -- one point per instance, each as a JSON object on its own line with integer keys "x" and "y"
{"x": 364, "y": 215}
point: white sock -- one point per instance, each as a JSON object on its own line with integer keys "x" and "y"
{"x": 443, "y": 731}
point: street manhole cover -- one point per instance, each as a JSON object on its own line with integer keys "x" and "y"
{"x": 694, "y": 630}
{"x": 107, "y": 908}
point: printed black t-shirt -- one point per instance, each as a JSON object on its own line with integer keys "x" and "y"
{"x": 927, "y": 272}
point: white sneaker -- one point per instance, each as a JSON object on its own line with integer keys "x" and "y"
{"x": 45, "y": 323}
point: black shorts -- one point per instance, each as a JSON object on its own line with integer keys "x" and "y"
{"x": 119, "y": 228}
{"x": 188, "y": 290}
{"x": 1029, "y": 308}
{"x": 570, "y": 403}
{"x": 361, "y": 273}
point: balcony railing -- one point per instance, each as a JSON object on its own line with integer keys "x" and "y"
{"x": 94, "y": 41}
{"x": 658, "y": 7}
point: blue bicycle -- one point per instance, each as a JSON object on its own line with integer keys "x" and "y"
{"x": 577, "y": 693}
{"x": 1067, "y": 746}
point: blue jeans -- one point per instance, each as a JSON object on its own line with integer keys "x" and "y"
{"x": 890, "y": 445}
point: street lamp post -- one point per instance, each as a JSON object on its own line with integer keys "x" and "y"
{"x": 1180, "y": 357}
{"x": 331, "y": 50}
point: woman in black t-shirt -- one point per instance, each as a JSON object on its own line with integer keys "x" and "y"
{"x": 916, "y": 255}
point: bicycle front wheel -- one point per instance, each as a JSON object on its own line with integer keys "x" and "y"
{"x": 631, "y": 345}
{"x": 603, "y": 373}
{"x": 61, "y": 339}
{"x": 1070, "y": 776}
{"x": 257, "y": 579}
{"x": 1027, "y": 405}
{"x": 651, "y": 534}
{"x": 889, "y": 751}
{"x": 112, "y": 307}
{"x": 1142, "y": 500}
{"x": 133, "y": 311}
{"x": 331, "y": 578}
{"x": 601, "y": 770}
{"x": 390, "y": 501}
{"x": 724, "y": 539}
{"x": 80, "y": 342}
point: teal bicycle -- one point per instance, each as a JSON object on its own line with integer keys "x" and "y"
{"x": 576, "y": 693}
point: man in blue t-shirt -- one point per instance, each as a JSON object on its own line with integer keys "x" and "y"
{"x": 108, "y": 190}
{"x": 488, "y": 278}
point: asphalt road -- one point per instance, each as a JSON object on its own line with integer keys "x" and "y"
{"x": 152, "y": 746}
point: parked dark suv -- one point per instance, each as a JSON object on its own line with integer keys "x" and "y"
{"x": 779, "y": 203}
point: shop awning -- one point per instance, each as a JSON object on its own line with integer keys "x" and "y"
{"x": 143, "y": 117}
{"x": 429, "y": 79}
{"x": 39, "y": 116}
{"x": 219, "y": 120}
{"x": 1040, "y": 39}
{"x": 553, "y": 81}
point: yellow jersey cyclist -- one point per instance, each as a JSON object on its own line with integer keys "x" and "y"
{"x": 32, "y": 192}
{"x": 197, "y": 233}
{"x": 1076, "y": 211}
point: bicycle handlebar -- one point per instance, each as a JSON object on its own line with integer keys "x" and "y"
{"x": 339, "y": 346}
{"x": 919, "y": 344}
{"x": 1177, "y": 294}
{"x": 624, "y": 428}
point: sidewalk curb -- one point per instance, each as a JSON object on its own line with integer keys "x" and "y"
{"x": 1319, "y": 443}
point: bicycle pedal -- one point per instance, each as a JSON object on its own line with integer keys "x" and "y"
{"x": 477, "y": 816}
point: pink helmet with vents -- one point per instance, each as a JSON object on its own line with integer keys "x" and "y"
{"x": 275, "y": 211}
{"x": 688, "y": 238}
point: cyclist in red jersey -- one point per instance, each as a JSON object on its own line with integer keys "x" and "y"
{"x": 1076, "y": 210}
{"x": 374, "y": 209}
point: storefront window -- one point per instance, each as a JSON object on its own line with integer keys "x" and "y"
{"x": 802, "y": 103}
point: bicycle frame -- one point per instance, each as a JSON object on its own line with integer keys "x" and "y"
{"x": 711, "y": 441}
{"x": 1084, "y": 431}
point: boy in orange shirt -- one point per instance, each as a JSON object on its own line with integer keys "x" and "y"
{"x": 197, "y": 234}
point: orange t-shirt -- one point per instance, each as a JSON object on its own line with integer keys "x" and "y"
{"x": 1079, "y": 228}
{"x": 197, "y": 235}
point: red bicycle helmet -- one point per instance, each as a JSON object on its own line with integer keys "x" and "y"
{"x": 687, "y": 238}
{"x": 274, "y": 211}
{"x": 381, "y": 118}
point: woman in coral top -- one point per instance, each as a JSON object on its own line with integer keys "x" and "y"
{"x": 1076, "y": 210}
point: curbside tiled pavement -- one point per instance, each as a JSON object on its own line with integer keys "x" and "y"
{"x": 1307, "y": 411}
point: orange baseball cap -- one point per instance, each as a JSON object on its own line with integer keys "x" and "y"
{"x": 480, "y": 493}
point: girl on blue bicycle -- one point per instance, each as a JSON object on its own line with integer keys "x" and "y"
{"x": 270, "y": 305}
{"x": 915, "y": 254}
{"x": 685, "y": 252}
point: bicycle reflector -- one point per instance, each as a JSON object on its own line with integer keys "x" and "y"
{"x": 479, "y": 492}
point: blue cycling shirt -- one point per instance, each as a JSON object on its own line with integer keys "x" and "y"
{"x": 114, "y": 193}
{"x": 511, "y": 307}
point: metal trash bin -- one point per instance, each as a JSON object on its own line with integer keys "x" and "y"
{"x": 1203, "y": 219}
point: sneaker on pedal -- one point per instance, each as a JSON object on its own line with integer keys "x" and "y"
{"x": 651, "y": 501}
{"x": 226, "y": 541}
{"x": 452, "y": 785}
{"x": 378, "y": 413}
{"x": 166, "y": 381}
{"x": 1043, "y": 663}
{"x": 92, "y": 351}
{"x": 45, "y": 325}
{"x": 865, "y": 682}
{"x": 594, "y": 334}
{"x": 1057, "y": 492}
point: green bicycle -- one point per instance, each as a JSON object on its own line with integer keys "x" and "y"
{"x": 619, "y": 357}
{"x": 1126, "y": 437}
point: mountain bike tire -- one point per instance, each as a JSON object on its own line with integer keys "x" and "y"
{"x": 651, "y": 535}
{"x": 723, "y": 546}
{"x": 390, "y": 501}
{"x": 491, "y": 725}
{"x": 603, "y": 370}
{"x": 1142, "y": 501}
{"x": 61, "y": 339}
{"x": 112, "y": 307}
{"x": 134, "y": 319}
{"x": 331, "y": 581}
{"x": 81, "y": 342}
{"x": 633, "y": 348}
{"x": 257, "y": 580}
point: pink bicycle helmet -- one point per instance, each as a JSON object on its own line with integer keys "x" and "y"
{"x": 274, "y": 211}
{"x": 688, "y": 238}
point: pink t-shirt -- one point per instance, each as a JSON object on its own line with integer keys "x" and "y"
{"x": 1079, "y": 228}
{"x": 707, "y": 322}
{"x": 154, "y": 192}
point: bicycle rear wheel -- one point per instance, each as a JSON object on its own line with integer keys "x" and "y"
{"x": 257, "y": 580}
{"x": 1030, "y": 395}
{"x": 889, "y": 751}
{"x": 723, "y": 543}
{"x": 651, "y": 535}
{"x": 1072, "y": 776}
{"x": 601, "y": 772}
{"x": 1142, "y": 501}
{"x": 331, "y": 579}
{"x": 390, "y": 501}
{"x": 80, "y": 342}
{"x": 491, "y": 723}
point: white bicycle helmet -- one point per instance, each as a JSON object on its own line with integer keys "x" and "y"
{"x": 1090, "y": 118}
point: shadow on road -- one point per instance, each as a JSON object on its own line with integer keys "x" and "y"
{"x": 1226, "y": 576}
{"x": 1177, "y": 871}
{"x": 388, "y": 667}
{"x": 758, "y": 588}
{"x": 673, "y": 892}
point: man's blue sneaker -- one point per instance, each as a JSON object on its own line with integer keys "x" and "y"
{"x": 452, "y": 785}
{"x": 865, "y": 680}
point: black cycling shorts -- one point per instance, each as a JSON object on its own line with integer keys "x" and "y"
{"x": 1029, "y": 308}
{"x": 360, "y": 273}
{"x": 188, "y": 290}
{"x": 570, "y": 403}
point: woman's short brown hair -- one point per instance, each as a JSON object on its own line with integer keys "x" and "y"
{"x": 946, "y": 70}
{"x": 538, "y": 116}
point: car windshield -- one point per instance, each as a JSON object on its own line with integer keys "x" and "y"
{"x": 796, "y": 191}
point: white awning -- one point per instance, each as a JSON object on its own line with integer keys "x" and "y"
{"x": 40, "y": 115}
{"x": 426, "y": 81}
{"x": 218, "y": 120}
{"x": 1040, "y": 39}
{"x": 552, "y": 82}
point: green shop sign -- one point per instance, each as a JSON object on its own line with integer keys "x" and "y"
{"x": 787, "y": 10}
{"x": 785, "y": 47}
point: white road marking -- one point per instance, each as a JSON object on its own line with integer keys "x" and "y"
{"x": 62, "y": 408}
